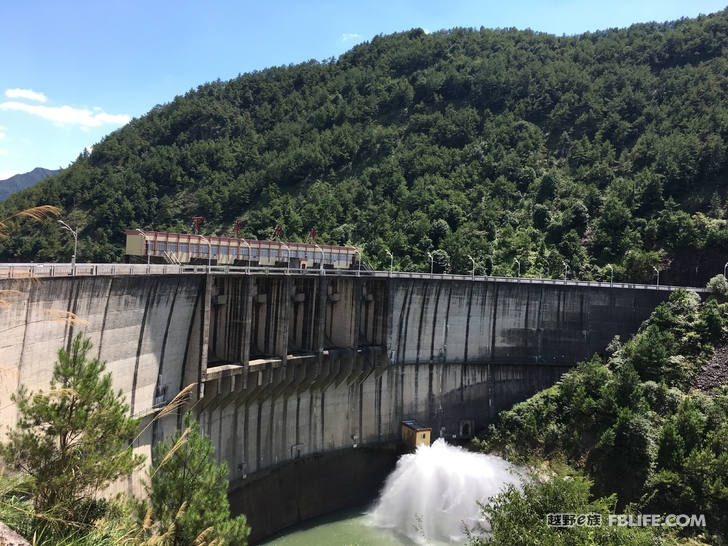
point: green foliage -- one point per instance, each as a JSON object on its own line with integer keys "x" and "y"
{"x": 592, "y": 150}
{"x": 518, "y": 516}
{"x": 711, "y": 323}
{"x": 650, "y": 353}
{"x": 625, "y": 448}
{"x": 188, "y": 491}
{"x": 718, "y": 285}
{"x": 634, "y": 425}
{"x": 73, "y": 440}
{"x": 440, "y": 261}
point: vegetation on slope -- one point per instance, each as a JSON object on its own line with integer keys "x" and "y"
{"x": 634, "y": 426}
{"x": 520, "y": 517}
{"x": 605, "y": 148}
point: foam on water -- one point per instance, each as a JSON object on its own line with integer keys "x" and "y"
{"x": 440, "y": 485}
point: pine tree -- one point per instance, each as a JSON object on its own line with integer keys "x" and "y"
{"x": 188, "y": 489}
{"x": 73, "y": 440}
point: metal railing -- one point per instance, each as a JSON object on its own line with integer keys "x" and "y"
{"x": 41, "y": 271}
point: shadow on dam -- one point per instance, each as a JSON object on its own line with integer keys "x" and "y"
{"x": 304, "y": 488}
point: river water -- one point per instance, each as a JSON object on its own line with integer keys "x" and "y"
{"x": 428, "y": 499}
{"x": 344, "y": 528}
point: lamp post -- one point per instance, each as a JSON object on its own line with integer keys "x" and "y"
{"x": 321, "y": 265}
{"x": 432, "y": 262}
{"x": 658, "y": 275}
{"x": 209, "y": 252}
{"x": 611, "y": 277}
{"x": 391, "y": 262}
{"x": 358, "y": 261}
{"x": 724, "y": 268}
{"x": 250, "y": 254}
{"x": 566, "y": 269}
{"x": 146, "y": 242}
{"x": 65, "y": 226}
{"x": 472, "y": 277}
{"x": 288, "y": 262}
{"x": 519, "y": 266}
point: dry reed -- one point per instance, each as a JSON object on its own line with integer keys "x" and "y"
{"x": 41, "y": 213}
{"x": 66, "y": 317}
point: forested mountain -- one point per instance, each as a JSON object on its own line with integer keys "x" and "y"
{"x": 596, "y": 150}
{"x": 22, "y": 181}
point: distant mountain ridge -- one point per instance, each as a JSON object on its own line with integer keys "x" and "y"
{"x": 22, "y": 181}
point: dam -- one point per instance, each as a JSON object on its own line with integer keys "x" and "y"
{"x": 302, "y": 377}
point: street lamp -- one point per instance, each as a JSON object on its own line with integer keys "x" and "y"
{"x": 611, "y": 277}
{"x": 519, "y": 266}
{"x": 391, "y": 262}
{"x": 432, "y": 262}
{"x": 209, "y": 252}
{"x": 321, "y": 265}
{"x": 724, "y": 268}
{"x": 288, "y": 262}
{"x": 250, "y": 254}
{"x": 566, "y": 269}
{"x": 65, "y": 226}
{"x": 472, "y": 277}
{"x": 146, "y": 242}
{"x": 658, "y": 275}
{"x": 358, "y": 260}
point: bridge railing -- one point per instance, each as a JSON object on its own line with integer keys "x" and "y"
{"x": 40, "y": 271}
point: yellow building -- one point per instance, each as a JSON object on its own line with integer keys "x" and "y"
{"x": 414, "y": 434}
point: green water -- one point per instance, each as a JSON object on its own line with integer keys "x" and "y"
{"x": 343, "y": 528}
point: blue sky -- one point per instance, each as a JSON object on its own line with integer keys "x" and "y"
{"x": 72, "y": 71}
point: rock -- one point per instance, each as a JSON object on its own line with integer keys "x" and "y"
{"x": 714, "y": 373}
{"x": 8, "y": 537}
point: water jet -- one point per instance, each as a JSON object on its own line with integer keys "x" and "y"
{"x": 434, "y": 492}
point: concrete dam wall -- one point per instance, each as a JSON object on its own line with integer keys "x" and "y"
{"x": 511, "y": 322}
{"x": 288, "y": 367}
{"x": 313, "y": 364}
{"x": 144, "y": 327}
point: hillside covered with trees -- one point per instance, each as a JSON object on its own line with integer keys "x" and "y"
{"x": 597, "y": 150}
{"x": 646, "y": 439}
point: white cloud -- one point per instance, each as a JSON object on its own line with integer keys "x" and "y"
{"x": 25, "y": 94}
{"x": 347, "y": 37}
{"x": 4, "y": 175}
{"x": 2, "y": 136}
{"x": 67, "y": 114}
{"x": 3, "y": 152}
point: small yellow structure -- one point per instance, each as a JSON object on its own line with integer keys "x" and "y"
{"x": 414, "y": 434}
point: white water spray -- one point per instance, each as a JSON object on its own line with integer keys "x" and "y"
{"x": 440, "y": 486}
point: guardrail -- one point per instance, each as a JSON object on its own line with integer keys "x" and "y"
{"x": 41, "y": 271}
